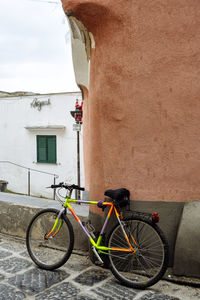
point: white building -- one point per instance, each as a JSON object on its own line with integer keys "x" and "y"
{"x": 36, "y": 132}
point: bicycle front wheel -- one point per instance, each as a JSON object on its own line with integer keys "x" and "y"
{"x": 149, "y": 262}
{"x": 52, "y": 252}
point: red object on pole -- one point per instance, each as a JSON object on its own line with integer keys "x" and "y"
{"x": 76, "y": 105}
{"x": 78, "y": 113}
{"x": 80, "y": 109}
{"x": 77, "y": 109}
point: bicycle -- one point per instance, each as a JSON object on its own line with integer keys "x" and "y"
{"x": 135, "y": 247}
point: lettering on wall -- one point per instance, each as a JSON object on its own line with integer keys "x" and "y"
{"x": 38, "y": 104}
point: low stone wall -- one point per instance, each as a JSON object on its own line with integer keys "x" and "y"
{"x": 17, "y": 211}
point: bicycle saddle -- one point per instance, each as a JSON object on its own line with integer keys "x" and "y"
{"x": 117, "y": 194}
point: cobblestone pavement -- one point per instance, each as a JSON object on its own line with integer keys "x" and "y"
{"x": 78, "y": 279}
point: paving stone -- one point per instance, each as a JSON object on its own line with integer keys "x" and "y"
{"x": 83, "y": 297}
{"x": 114, "y": 290}
{"x": 37, "y": 280}
{"x": 158, "y": 296}
{"x": 2, "y": 277}
{"x": 16, "y": 247}
{"x": 197, "y": 295}
{"x": 66, "y": 290}
{"x": 76, "y": 267}
{"x": 25, "y": 254}
{"x": 91, "y": 277}
{"x": 36, "y": 284}
{"x": 4, "y": 254}
{"x": 9, "y": 293}
{"x": 14, "y": 264}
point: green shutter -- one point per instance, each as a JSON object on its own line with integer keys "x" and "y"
{"x": 51, "y": 148}
{"x": 46, "y": 148}
{"x": 41, "y": 149}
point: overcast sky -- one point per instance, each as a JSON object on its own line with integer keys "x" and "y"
{"x": 35, "y": 50}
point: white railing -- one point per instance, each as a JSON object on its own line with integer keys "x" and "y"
{"x": 29, "y": 175}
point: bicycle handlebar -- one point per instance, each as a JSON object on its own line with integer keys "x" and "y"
{"x": 68, "y": 187}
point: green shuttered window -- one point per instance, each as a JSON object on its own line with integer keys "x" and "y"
{"x": 46, "y": 149}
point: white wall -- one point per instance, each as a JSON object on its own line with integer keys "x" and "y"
{"x": 18, "y": 144}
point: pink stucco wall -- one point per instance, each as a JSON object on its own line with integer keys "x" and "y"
{"x": 142, "y": 115}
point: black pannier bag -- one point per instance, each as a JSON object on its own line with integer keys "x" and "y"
{"x": 121, "y": 196}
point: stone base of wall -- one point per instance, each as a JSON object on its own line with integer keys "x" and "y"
{"x": 180, "y": 223}
{"x": 169, "y": 213}
{"x": 187, "y": 254}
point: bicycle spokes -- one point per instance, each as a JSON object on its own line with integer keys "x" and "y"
{"x": 144, "y": 266}
{"x": 50, "y": 250}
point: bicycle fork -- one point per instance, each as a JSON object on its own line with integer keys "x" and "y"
{"x": 51, "y": 233}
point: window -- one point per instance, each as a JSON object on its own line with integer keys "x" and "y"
{"x": 46, "y": 149}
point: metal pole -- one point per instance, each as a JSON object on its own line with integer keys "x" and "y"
{"x": 54, "y": 190}
{"x": 78, "y": 164}
{"x": 29, "y": 181}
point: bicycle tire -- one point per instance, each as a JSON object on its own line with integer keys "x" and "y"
{"x": 51, "y": 253}
{"x": 150, "y": 261}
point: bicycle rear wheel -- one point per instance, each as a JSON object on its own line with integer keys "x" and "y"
{"x": 148, "y": 264}
{"x": 51, "y": 253}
